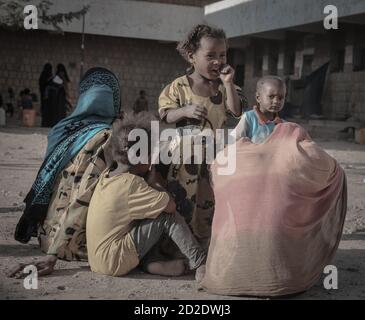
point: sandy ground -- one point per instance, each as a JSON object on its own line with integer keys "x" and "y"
{"x": 21, "y": 153}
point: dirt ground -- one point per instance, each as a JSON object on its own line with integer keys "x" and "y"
{"x": 21, "y": 153}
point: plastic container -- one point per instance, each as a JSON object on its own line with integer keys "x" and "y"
{"x": 360, "y": 136}
{"x": 29, "y": 117}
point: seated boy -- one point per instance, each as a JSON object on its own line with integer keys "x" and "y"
{"x": 127, "y": 216}
{"x": 260, "y": 122}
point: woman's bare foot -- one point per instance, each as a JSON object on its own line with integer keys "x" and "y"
{"x": 167, "y": 268}
{"x": 200, "y": 273}
{"x": 44, "y": 267}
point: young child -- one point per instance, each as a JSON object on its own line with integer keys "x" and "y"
{"x": 141, "y": 104}
{"x": 127, "y": 215}
{"x": 201, "y": 98}
{"x": 260, "y": 122}
{"x": 10, "y": 102}
{"x": 26, "y": 100}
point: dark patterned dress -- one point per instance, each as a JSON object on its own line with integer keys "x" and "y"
{"x": 63, "y": 232}
{"x": 195, "y": 178}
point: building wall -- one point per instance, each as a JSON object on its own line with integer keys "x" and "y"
{"x": 195, "y": 3}
{"x": 344, "y": 91}
{"x": 130, "y": 19}
{"x": 240, "y": 18}
{"x": 139, "y": 64}
{"x": 149, "y": 64}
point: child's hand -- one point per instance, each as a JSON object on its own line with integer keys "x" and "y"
{"x": 226, "y": 73}
{"x": 193, "y": 111}
{"x": 155, "y": 180}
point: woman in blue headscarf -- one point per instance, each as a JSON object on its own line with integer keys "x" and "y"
{"x": 57, "y": 204}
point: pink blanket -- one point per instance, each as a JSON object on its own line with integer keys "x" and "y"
{"x": 278, "y": 220}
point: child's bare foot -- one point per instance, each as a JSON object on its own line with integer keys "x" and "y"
{"x": 167, "y": 268}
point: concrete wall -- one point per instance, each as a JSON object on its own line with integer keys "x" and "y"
{"x": 241, "y": 17}
{"x": 139, "y": 64}
{"x": 149, "y": 65}
{"x": 196, "y": 3}
{"x": 132, "y": 19}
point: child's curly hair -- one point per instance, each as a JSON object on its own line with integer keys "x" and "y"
{"x": 122, "y": 127}
{"x": 192, "y": 41}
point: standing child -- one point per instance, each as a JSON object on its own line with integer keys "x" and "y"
{"x": 127, "y": 215}
{"x": 27, "y": 100}
{"x": 201, "y": 98}
{"x": 260, "y": 122}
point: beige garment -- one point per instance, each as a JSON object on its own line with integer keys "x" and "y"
{"x": 63, "y": 231}
{"x": 117, "y": 202}
{"x": 194, "y": 178}
{"x": 178, "y": 94}
{"x": 278, "y": 220}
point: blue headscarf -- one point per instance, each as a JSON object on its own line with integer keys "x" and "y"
{"x": 98, "y": 105}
